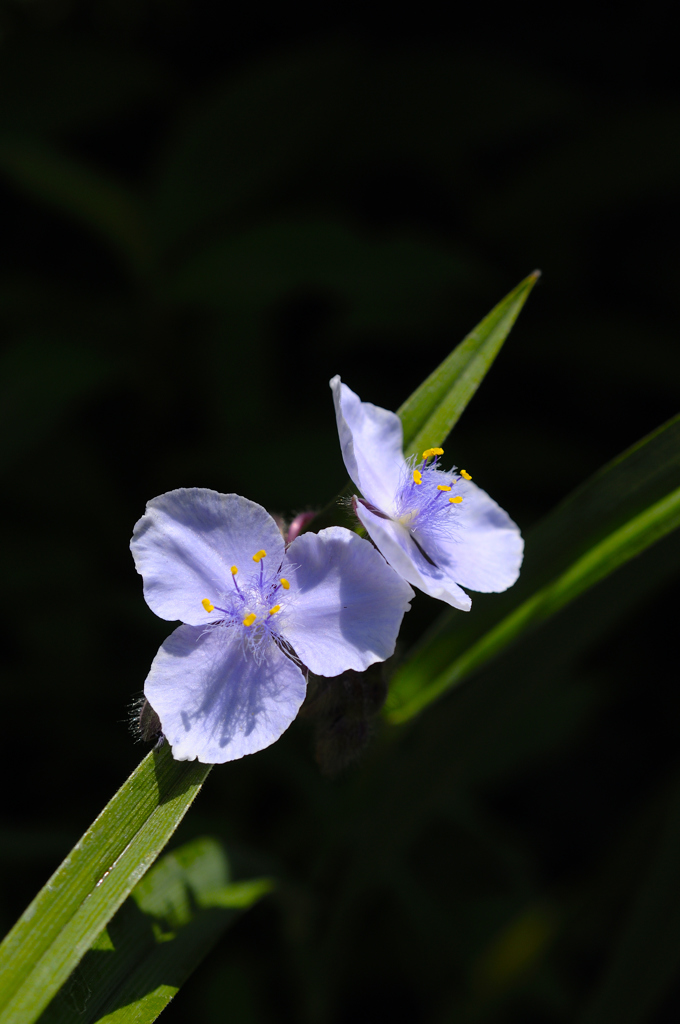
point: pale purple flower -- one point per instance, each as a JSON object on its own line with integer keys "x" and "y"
{"x": 437, "y": 529}
{"x": 256, "y": 615}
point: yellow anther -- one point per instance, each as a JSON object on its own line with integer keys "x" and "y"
{"x": 207, "y": 605}
{"x": 443, "y": 487}
{"x": 249, "y": 619}
{"x": 465, "y": 474}
{"x": 259, "y": 554}
{"x": 432, "y": 451}
{"x": 456, "y": 501}
{"x": 285, "y": 584}
{"x": 417, "y": 476}
{"x": 234, "y": 570}
{"x": 275, "y": 609}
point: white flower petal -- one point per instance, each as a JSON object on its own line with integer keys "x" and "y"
{"x": 398, "y": 547}
{"x": 347, "y": 603}
{"x": 484, "y": 551}
{"x": 371, "y": 439}
{"x": 216, "y": 702}
{"x": 186, "y": 542}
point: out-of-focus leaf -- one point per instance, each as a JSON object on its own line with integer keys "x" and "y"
{"x": 437, "y": 405}
{"x": 393, "y": 283}
{"x": 47, "y": 87}
{"x": 520, "y": 719}
{"x": 323, "y": 116}
{"x": 528, "y": 704}
{"x": 83, "y": 193}
{"x": 607, "y": 160}
{"x": 39, "y": 379}
{"x": 624, "y": 508}
{"x": 248, "y": 135}
{"x": 171, "y": 920}
{"x": 84, "y": 893}
{"x": 646, "y": 957}
{"x": 514, "y": 951}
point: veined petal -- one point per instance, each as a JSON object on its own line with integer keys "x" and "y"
{"x": 484, "y": 551}
{"x": 186, "y": 542}
{"x": 216, "y": 702}
{"x": 347, "y": 603}
{"x": 398, "y": 547}
{"x": 371, "y": 439}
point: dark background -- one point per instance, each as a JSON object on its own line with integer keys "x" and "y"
{"x": 206, "y": 215}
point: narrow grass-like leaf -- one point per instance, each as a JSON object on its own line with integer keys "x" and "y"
{"x": 168, "y": 924}
{"x": 429, "y": 414}
{"x": 84, "y": 893}
{"x": 624, "y": 508}
{"x": 436, "y": 406}
{"x": 83, "y": 193}
{"x": 622, "y": 545}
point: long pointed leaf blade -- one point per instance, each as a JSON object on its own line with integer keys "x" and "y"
{"x": 623, "y": 509}
{"x": 169, "y": 923}
{"x": 435, "y": 407}
{"x": 71, "y": 910}
{"x": 621, "y": 546}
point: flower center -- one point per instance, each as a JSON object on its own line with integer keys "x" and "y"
{"x": 250, "y": 605}
{"x": 427, "y": 495}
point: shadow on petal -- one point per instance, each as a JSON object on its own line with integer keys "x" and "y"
{"x": 216, "y": 700}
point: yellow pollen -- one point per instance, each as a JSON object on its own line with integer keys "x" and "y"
{"x": 417, "y": 476}
{"x": 285, "y": 584}
{"x": 275, "y": 609}
{"x": 464, "y": 473}
{"x": 432, "y": 451}
{"x": 443, "y": 487}
{"x": 456, "y": 501}
{"x": 207, "y": 605}
{"x": 249, "y": 619}
{"x": 259, "y": 554}
{"x": 234, "y": 570}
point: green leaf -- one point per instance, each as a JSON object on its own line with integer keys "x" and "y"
{"x": 172, "y": 919}
{"x": 71, "y": 910}
{"x": 83, "y": 193}
{"x": 436, "y": 406}
{"x": 614, "y": 516}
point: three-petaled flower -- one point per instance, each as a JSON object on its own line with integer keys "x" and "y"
{"x": 231, "y": 679}
{"x": 438, "y": 530}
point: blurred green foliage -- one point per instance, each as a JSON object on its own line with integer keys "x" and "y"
{"x": 202, "y": 221}
{"x": 168, "y": 924}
